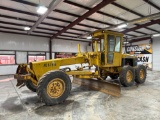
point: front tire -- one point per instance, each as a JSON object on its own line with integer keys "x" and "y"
{"x": 140, "y": 74}
{"x": 31, "y": 86}
{"x": 54, "y": 87}
{"x": 127, "y": 76}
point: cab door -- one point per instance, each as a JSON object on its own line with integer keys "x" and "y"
{"x": 113, "y": 55}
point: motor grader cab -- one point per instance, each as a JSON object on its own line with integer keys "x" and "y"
{"x": 53, "y": 84}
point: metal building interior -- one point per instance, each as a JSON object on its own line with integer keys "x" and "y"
{"x": 63, "y": 25}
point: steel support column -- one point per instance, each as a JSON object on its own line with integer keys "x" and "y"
{"x": 50, "y": 49}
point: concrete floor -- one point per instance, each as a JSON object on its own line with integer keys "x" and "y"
{"x": 136, "y": 103}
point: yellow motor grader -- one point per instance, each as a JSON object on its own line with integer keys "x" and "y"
{"x": 53, "y": 85}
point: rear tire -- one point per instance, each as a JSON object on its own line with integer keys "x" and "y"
{"x": 127, "y": 76}
{"x": 54, "y": 87}
{"x": 140, "y": 74}
{"x": 31, "y": 86}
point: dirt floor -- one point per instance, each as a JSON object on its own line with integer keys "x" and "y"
{"x": 140, "y": 102}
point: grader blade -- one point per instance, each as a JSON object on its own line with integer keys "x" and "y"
{"x": 103, "y": 86}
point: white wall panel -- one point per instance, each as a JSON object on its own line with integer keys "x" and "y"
{"x": 68, "y": 46}
{"x": 89, "y": 48}
{"x": 53, "y": 55}
{"x": 23, "y": 42}
{"x": 156, "y": 54}
{"x": 9, "y": 69}
{"x": 47, "y": 56}
{"x": 21, "y": 57}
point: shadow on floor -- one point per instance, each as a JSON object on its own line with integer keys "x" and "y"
{"x": 13, "y": 104}
{"x": 59, "y": 109}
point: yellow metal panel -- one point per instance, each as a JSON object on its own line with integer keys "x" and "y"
{"x": 117, "y": 59}
{"x": 42, "y": 67}
{"x": 80, "y": 73}
{"x": 85, "y": 76}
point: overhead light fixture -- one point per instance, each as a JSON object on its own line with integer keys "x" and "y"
{"x": 89, "y": 37}
{"x": 27, "y": 28}
{"x": 41, "y": 10}
{"x": 155, "y": 35}
{"x": 122, "y": 26}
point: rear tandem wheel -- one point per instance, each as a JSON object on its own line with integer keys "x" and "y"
{"x": 140, "y": 74}
{"x": 127, "y": 76}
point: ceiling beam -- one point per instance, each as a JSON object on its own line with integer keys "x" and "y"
{"x": 131, "y": 35}
{"x": 51, "y": 18}
{"x": 26, "y": 2}
{"x": 81, "y": 6}
{"x": 88, "y": 8}
{"x": 71, "y": 39}
{"x": 51, "y": 7}
{"x": 106, "y": 14}
{"x": 133, "y": 12}
{"x": 43, "y": 23}
{"x": 140, "y": 32}
{"x": 142, "y": 26}
{"x": 152, "y": 4}
{"x": 23, "y": 33}
{"x": 87, "y": 14}
{"x": 152, "y": 30}
{"x": 139, "y": 39}
{"x": 18, "y": 11}
{"x": 75, "y": 15}
{"x": 128, "y": 10}
{"x": 11, "y": 28}
{"x": 41, "y": 28}
{"x": 18, "y": 29}
{"x": 56, "y": 10}
{"x": 11, "y": 23}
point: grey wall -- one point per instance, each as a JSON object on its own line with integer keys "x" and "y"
{"x": 23, "y": 43}
{"x": 156, "y": 53}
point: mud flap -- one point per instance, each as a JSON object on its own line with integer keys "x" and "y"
{"x": 102, "y": 86}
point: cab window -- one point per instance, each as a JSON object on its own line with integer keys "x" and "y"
{"x": 117, "y": 45}
{"x": 111, "y": 43}
{"x": 100, "y": 43}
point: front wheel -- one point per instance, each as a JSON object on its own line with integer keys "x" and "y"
{"x": 140, "y": 74}
{"x": 31, "y": 86}
{"x": 54, "y": 87}
{"x": 127, "y": 76}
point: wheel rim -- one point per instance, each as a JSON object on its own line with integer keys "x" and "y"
{"x": 141, "y": 74}
{"x": 55, "y": 88}
{"x": 129, "y": 76}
